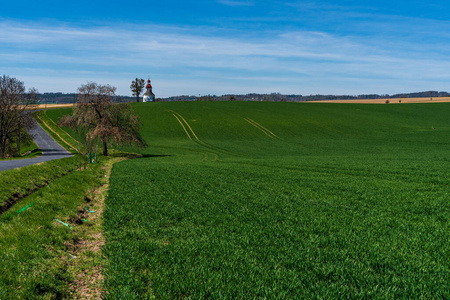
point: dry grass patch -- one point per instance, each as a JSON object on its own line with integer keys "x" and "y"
{"x": 87, "y": 260}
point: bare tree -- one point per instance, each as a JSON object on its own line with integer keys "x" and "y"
{"x": 15, "y": 105}
{"x": 136, "y": 87}
{"x": 97, "y": 116}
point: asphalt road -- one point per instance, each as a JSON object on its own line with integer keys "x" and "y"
{"x": 50, "y": 150}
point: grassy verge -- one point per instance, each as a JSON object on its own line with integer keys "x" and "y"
{"x": 40, "y": 257}
{"x": 87, "y": 269}
{"x": 36, "y": 251}
{"x": 18, "y": 183}
{"x": 30, "y": 151}
{"x": 63, "y": 137}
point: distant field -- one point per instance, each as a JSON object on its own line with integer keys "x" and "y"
{"x": 44, "y": 106}
{"x": 358, "y": 101}
{"x": 396, "y": 100}
{"x": 282, "y": 200}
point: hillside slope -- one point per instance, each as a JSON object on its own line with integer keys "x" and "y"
{"x": 282, "y": 200}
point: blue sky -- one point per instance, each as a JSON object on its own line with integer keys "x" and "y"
{"x": 229, "y": 46}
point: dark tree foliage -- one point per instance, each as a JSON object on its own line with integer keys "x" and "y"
{"x": 15, "y": 116}
{"x": 97, "y": 116}
{"x": 136, "y": 87}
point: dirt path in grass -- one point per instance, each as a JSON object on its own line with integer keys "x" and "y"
{"x": 87, "y": 265}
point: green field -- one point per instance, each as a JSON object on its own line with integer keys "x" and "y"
{"x": 282, "y": 200}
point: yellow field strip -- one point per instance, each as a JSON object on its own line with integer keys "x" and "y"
{"x": 262, "y": 128}
{"x": 46, "y": 125}
{"x": 44, "y": 106}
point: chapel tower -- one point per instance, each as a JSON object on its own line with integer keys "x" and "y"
{"x": 148, "y": 95}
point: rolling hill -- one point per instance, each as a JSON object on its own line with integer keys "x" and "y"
{"x": 282, "y": 200}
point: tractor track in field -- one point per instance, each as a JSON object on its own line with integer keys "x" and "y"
{"x": 261, "y": 128}
{"x": 193, "y": 137}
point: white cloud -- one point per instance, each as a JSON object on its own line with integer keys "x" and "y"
{"x": 189, "y": 60}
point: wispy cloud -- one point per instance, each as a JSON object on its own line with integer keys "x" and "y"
{"x": 192, "y": 61}
{"x": 236, "y": 3}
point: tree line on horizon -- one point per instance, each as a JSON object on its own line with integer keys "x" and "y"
{"x": 62, "y": 98}
{"x": 277, "y": 97}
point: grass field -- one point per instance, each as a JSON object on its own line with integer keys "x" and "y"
{"x": 282, "y": 200}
